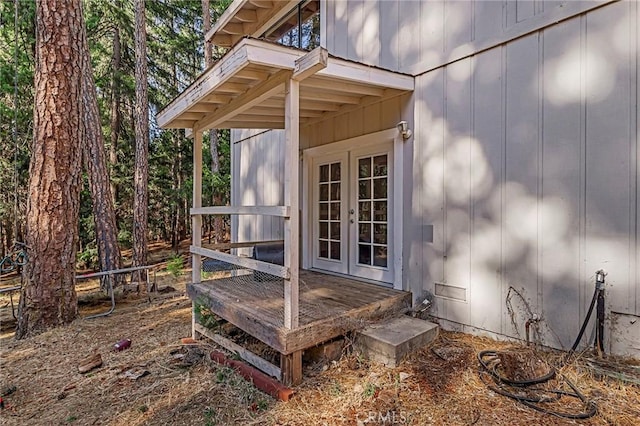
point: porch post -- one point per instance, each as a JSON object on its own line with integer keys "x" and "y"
{"x": 291, "y": 189}
{"x": 291, "y": 365}
{"x": 196, "y": 219}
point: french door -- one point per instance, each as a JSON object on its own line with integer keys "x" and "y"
{"x": 351, "y": 208}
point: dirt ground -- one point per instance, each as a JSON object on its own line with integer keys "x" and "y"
{"x": 159, "y": 381}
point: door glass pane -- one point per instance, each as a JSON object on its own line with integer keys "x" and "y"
{"x": 324, "y": 173}
{"x": 364, "y": 232}
{"x": 364, "y": 212}
{"x": 324, "y": 230}
{"x": 335, "y": 250}
{"x": 364, "y": 167}
{"x": 324, "y": 192}
{"x": 335, "y": 231}
{"x": 335, "y": 211}
{"x": 380, "y": 165}
{"x": 324, "y": 249}
{"x": 364, "y": 254}
{"x": 380, "y": 256}
{"x": 380, "y": 233}
{"x": 335, "y": 191}
{"x": 380, "y": 211}
{"x": 324, "y": 211}
{"x": 364, "y": 191}
{"x": 335, "y": 172}
{"x": 380, "y": 188}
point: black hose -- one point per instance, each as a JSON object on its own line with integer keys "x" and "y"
{"x": 599, "y": 344}
{"x": 518, "y": 383}
{"x": 532, "y": 397}
{"x": 586, "y": 320}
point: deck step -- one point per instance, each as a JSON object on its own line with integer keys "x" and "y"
{"x": 388, "y": 342}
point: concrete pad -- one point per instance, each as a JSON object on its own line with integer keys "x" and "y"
{"x": 390, "y": 341}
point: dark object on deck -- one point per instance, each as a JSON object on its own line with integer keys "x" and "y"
{"x": 270, "y": 253}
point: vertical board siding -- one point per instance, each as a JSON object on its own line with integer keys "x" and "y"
{"x": 257, "y": 176}
{"x": 525, "y": 163}
{"x": 608, "y": 197}
{"x": 635, "y": 46}
{"x": 458, "y": 23}
{"x": 457, "y": 158}
{"x": 520, "y": 236}
{"x": 431, "y": 31}
{"x": 561, "y": 278}
{"x": 486, "y": 214}
{"x": 488, "y": 19}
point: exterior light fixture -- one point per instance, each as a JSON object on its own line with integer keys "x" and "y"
{"x": 404, "y": 130}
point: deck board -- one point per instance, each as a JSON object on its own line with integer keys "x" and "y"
{"x": 329, "y": 306}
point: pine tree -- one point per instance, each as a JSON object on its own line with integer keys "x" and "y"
{"x": 48, "y": 296}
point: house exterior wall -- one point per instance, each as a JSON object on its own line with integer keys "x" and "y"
{"x": 525, "y": 177}
{"x": 522, "y": 175}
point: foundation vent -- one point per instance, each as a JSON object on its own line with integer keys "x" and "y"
{"x": 451, "y": 292}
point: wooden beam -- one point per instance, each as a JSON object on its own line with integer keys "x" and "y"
{"x": 222, "y": 40}
{"x": 253, "y": 359}
{"x": 233, "y": 28}
{"x": 279, "y": 124}
{"x": 258, "y": 122}
{"x": 363, "y": 74}
{"x": 217, "y": 99}
{"x": 225, "y": 18}
{"x": 232, "y": 88}
{"x": 263, "y": 4}
{"x": 246, "y": 15}
{"x": 310, "y": 63}
{"x": 196, "y": 220}
{"x": 180, "y": 124}
{"x": 333, "y": 97}
{"x": 245, "y": 101}
{"x": 256, "y": 265}
{"x": 347, "y": 88}
{"x": 263, "y": 111}
{"x": 191, "y": 115}
{"x": 281, "y": 211}
{"x": 291, "y": 195}
{"x": 271, "y": 15}
{"x": 202, "y": 107}
{"x": 291, "y": 368}
{"x": 252, "y": 75}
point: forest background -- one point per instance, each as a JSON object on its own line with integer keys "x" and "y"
{"x": 175, "y": 56}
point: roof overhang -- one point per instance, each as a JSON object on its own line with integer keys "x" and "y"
{"x": 245, "y": 89}
{"x": 252, "y": 17}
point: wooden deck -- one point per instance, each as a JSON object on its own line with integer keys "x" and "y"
{"x": 329, "y": 307}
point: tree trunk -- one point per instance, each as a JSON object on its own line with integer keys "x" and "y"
{"x": 104, "y": 216}
{"x": 48, "y": 296}
{"x": 141, "y": 175}
{"x": 115, "y": 110}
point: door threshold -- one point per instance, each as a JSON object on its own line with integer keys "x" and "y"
{"x": 352, "y": 277}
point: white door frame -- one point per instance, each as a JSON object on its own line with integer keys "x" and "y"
{"x": 396, "y": 226}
